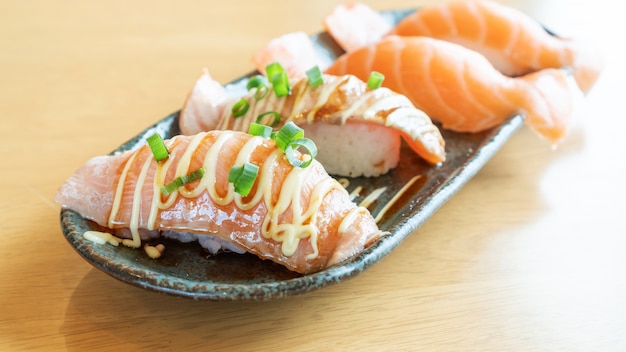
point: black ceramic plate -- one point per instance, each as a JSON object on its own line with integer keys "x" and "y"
{"x": 186, "y": 270}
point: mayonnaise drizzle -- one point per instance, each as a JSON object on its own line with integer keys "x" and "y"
{"x": 136, "y": 208}
{"x": 395, "y": 198}
{"x": 289, "y": 233}
{"x": 101, "y": 237}
{"x": 356, "y": 102}
{"x": 372, "y": 197}
{"x": 355, "y": 192}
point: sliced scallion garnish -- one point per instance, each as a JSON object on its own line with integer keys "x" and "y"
{"x": 261, "y": 84}
{"x": 256, "y": 82}
{"x": 279, "y": 79}
{"x": 275, "y": 120}
{"x": 257, "y": 129}
{"x": 240, "y": 108}
{"x": 261, "y": 92}
{"x": 181, "y": 181}
{"x": 310, "y": 151}
{"x": 315, "y": 76}
{"x": 288, "y": 133}
{"x": 280, "y": 82}
{"x": 243, "y": 177}
{"x": 273, "y": 69}
{"x": 158, "y": 147}
{"x": 375, "y": 80}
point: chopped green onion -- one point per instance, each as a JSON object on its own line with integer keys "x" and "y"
{"x": 315, "y": 76}
{"x": 275, "y": 121}
{"x": 158, "y": 147}
{"x": 243, "y": 177}
{"x": 261, "y": 84}
{"x": 261, "y": 92}
{"x": 277, "y": 75}
{"x": 310, "y": 151}
{"x": 240, "y": 108}
{"x": 256, "y": 82}
{"x": 287, "y": 134}
{"x": 375, "y": 80}
{"x": 280, "y": 82}
{"x": 181, "y": 181}
{"x": 273, "y": 69}
{"x": 257, "y": 129}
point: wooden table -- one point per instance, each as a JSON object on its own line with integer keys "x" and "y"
{"x": 528, "y": 256}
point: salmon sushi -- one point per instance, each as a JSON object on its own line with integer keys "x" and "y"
{"x": 460, "y": 88}
{"x": 513, "y": 42}
{"x": 358, "y": 130}
{"x": 298, "y": 217}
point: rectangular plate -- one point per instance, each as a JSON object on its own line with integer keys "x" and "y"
{"x": 186, "y": 270}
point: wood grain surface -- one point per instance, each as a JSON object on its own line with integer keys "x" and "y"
{"x": 529, "y": 256}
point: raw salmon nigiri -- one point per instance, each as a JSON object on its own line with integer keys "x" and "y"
{"x": 342, "y": 115}
{"x": 460, "y": 88}
{"x": 298, "y": 217}
{"x": 514, "y": 43}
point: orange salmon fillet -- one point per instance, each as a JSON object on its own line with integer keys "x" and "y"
{"x": 460, "y": 88}
{"x": 513, "y": 42}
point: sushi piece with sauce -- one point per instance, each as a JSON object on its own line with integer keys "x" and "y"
{"x": 298, "y": 217}
{"x": 357, "y": 129}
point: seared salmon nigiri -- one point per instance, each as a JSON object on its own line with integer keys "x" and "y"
{"x": 299, "y": 217}
{"x": 357, "y": 129}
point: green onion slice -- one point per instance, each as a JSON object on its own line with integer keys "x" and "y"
{"x": 181, "y": 181}
{"x": 273, "y": 69}
{"x": 275, "y": 121}
{"x": 158, "y": 147}
{"x": 257, "y": 129}
{"x": 310, "y": 152}
{"x": 315, "y": 76}
{"x": 280, "y": 82}
{"x": 287, "y": 134}
{"x": 375, "y": 80}
{"x": 256, "y": 82}
{"x": 261, "y": 92}
{"x": 243, "y": 177}
{"x": 240, "y": 108}
{"x": 261, "y": 84}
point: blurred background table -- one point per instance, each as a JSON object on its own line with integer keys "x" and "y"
{"x": 528, "y": 256}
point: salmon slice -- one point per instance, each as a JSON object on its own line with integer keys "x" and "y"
{"x": 294, "y": 51}
{"x": 461, "y": 89}
{"x": 513, "y": 42}
{"x": 207, "y": 98}
{"x": 354, "y": 25}
{"x": 341, "y": 102}
{"x": 298, "y": 217}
